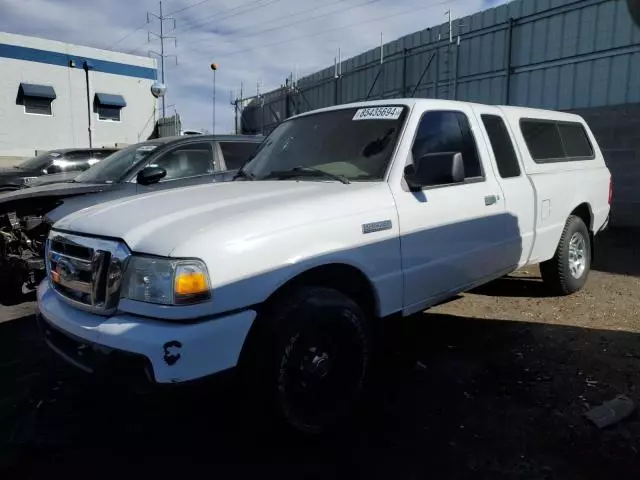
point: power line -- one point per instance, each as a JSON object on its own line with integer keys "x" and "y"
{"x": 297, "y": 22}
{"x": 188, "y": 7}
{"x": 203, "y": 21}
{"x": 294, "y": 14}
{"x": 123, "y": 38}
{"x": 415, "y": 9}
{"x": 216, "y": 14}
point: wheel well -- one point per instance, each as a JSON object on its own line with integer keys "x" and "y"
{"x": 584, "y": 212}
{"x": 345, "y": 278}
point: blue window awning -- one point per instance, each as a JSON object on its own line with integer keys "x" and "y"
{"x": 110, "y": 100}
{"x": 39, "y": 91}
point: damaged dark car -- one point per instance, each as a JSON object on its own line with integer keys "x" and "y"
{"x": 51, "y": 166}
{"x": 27, "y": 215}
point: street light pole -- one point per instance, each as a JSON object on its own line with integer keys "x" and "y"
{"x": 214, "y": 67}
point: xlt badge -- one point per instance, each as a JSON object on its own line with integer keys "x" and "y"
{"x": 376, "y": 226}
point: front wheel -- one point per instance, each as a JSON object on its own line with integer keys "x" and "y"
{"x": 567, "y": 271}
{"x": 312, "y": 359}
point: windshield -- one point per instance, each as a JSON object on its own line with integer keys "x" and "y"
{"x": 113, "y": 168}
{"x": 352, "y": 143}
{"x": 40, "y": 162}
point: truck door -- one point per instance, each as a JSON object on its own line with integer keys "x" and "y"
{"x": 518, "y": 190}
{"x": 452, "y": 236}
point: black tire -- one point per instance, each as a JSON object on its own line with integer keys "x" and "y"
{"x": 309, "y": 360}
{"x": 557, "y": 272}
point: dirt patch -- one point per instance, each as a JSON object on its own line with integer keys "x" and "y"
{"x": 492, "y": 385}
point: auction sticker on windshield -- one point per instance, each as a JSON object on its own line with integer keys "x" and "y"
{"x": 378, "y": 113}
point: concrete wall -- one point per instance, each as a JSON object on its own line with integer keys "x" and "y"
{"x": 617, "y": 130}
{"x": 60, "y": 65}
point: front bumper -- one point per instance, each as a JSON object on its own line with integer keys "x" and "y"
{"x": 168, "y": 352}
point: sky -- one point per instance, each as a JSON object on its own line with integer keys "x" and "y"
{"x": 251, "y": 41}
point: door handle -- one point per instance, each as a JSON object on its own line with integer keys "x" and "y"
{"x": 491, "y": 200}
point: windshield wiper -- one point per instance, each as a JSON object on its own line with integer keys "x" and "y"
{"x": 244, "y": 174}
{"x": 309, "y": 171}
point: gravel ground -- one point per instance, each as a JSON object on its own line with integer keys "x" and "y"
{"x": 492, "y": 385}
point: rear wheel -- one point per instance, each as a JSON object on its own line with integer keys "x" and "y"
{"x": 567, "y": 271}
{"x": 311, "y": 359}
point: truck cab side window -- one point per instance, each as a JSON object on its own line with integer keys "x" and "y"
{"x": 502, "y": 146}
{"x": 448, "y": 131}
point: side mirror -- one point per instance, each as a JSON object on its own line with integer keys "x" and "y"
{"x": 149, "y": 175}
{"x": 51, "y": 169}
{"x": 435, "y": 169}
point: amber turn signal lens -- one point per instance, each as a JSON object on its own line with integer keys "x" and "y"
{"x": 191, "y": 283}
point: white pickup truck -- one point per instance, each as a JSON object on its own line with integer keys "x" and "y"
{"x": 344, "y": 216}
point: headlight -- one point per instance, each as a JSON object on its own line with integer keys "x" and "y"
{"x": 166, "y": 281}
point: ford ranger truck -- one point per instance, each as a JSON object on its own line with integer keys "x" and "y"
{"x": 343, "y": 217}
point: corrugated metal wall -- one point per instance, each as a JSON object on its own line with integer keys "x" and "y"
{"x": 578, "y": 55}
{"x": 558, "y": 54}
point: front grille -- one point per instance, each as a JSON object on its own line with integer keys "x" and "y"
{"x": 86, "y": 271}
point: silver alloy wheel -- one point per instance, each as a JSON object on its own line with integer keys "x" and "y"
{"x": 577, "y": 255}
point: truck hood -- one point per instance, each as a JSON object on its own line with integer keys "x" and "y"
{"x": 159, "y": 223}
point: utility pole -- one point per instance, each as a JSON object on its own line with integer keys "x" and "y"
{"x": 261, "y": 98}
{"x": 238, "y": 100}
{"x": 161, "y": 18}
{"x": 214, "y": 68}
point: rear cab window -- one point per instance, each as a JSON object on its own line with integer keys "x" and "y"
{"x": 551, "y": 141}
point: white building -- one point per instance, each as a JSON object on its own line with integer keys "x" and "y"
{"x": 58, "y": 95}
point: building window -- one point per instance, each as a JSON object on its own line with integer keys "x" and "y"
{"x": 37, "y": 99}
{"x": 108, "y": 107}
{"x": 108, "y": 113}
